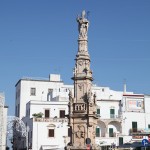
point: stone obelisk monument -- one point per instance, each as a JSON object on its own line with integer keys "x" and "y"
{"x": 82, "y": 106}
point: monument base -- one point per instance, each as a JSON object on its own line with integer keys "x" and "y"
{"x": 86, "y": 147}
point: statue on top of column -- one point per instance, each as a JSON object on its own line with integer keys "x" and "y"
{"x": 83, "y": 24}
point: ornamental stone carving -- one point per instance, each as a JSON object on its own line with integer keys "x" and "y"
{"x": 80, "y": 62}
{"x": 81, "y": 132}
{"x": 80, "y": 86}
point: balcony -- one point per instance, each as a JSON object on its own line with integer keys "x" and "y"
{"x": 139, "y": 131}
{"x": 79, "y": 107}
{"x": 112, "y": 118}
{"x": 62, "y": 120}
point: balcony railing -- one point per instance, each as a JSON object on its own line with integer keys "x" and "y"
{"x": 113, "y": 116}
{"x": 79, "y": 107}
{"x": 63, "y": 120}
{"x": 97, "y": 134}
{"x": 139, "y": 131}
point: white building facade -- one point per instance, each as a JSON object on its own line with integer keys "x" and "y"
{"x": 3, "y": 122}
{"x": 42, "y": 104}
{"x": 124, "y": 119}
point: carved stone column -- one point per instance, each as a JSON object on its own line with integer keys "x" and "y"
{"x": 82, "y": 106}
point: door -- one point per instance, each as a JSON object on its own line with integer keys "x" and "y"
{"x": 120, "y": 141}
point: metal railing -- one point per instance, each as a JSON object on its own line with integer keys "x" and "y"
{"x": 50, "y": 119}
{"x": 139, "y": 130}
{"x": 113, "y": 116}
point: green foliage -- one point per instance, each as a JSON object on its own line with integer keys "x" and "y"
{"x": 38, "y": 115}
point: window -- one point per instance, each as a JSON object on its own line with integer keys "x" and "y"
{"x": 98, "y": 111}
{"x": 47, "y": 113}
{"x": 33, "y": 91}
{"x": 110, "y": 132}
{"x": 62, "y": 113}
{"x": 148, "y": 126}
{"x": 134, "y": 126}
{"x": 97, "y": 132}
{"x": 51, "y": 133}
{"x": 112, "y": 113}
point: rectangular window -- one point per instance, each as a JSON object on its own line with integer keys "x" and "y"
{"x": 97, "y": 132}
{"x": 47, "y": 113}
{"x": 111, "y": 132}
{"x": 134, "y": 126}
{"x": 98, "y": 111}
{"x": 51, "y": 133}
{"x": 148, "y": 126}
{"x": 62, "y": 113}
{"x": 33, "y": 91}
{"x": 112, "y": 113}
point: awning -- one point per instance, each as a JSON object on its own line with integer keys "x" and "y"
{"x": 50, "y": 147}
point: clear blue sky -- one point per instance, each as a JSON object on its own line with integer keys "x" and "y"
{"x": 40, "y": 37}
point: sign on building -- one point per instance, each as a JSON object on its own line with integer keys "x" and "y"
{"x": 135, "y": 104}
